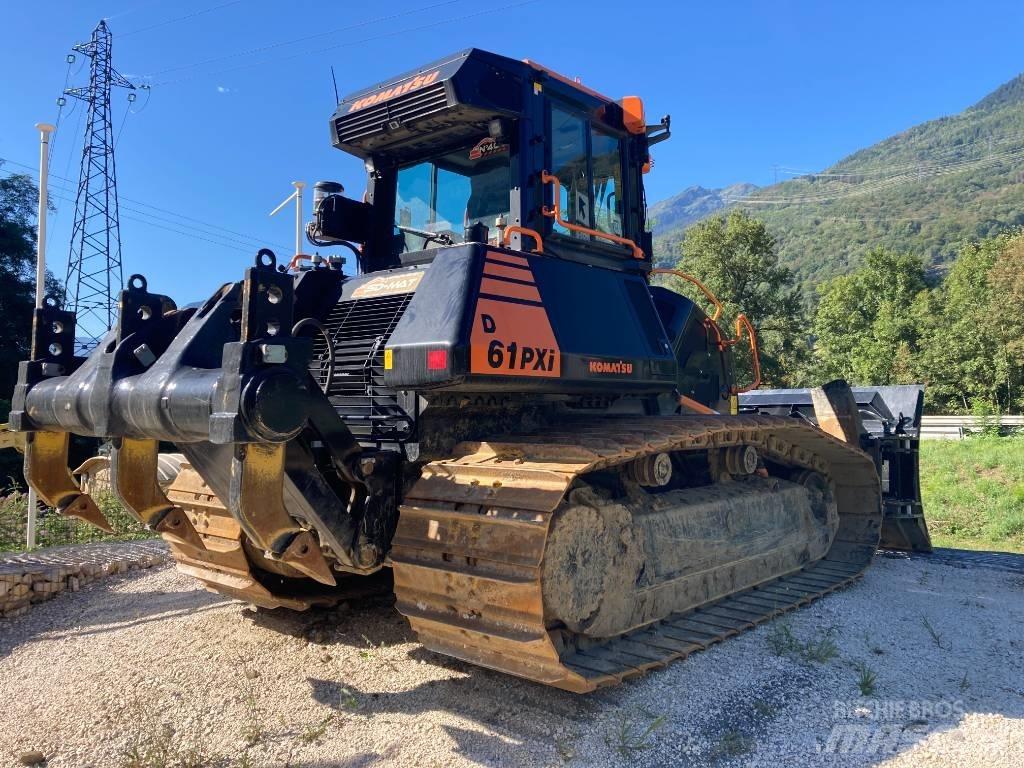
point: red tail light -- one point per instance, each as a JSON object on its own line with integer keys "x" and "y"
{"x": 437, "y": 360}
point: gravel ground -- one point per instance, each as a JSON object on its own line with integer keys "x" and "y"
{"x": 149, "y": 670}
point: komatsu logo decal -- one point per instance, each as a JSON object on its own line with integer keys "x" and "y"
{"x": 412, "y": 85}
{"x": 621, "y": 367}
{"x": 389, "y": 285}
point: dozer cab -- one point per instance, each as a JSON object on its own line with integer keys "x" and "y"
{"x": 497, "y": 416}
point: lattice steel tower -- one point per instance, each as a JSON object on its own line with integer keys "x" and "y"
{"x": 94, "y": 264}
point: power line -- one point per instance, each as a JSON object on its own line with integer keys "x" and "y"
{"x": 923, "y": 171}
{"x": 306, "y": 38}
{"x": 890, "y": 170}
{"x": 175, "y": 20}
{"x": 350, "y": 43}
{"x": 206, "y": 224}
{"x": 190, "y": 234}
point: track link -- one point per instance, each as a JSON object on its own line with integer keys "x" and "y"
{"x": 471, "y": 539}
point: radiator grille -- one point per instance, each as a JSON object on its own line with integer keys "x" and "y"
{"x": 371, "y": 120}
{"x": 359, "y": 329}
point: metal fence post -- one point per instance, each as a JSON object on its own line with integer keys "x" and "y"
{"x": 30, "y": 528}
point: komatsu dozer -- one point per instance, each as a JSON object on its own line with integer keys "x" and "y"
{"x": 492, "y": 412}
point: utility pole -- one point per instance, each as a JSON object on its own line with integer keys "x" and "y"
{"x": 94, "y": 276}
{"x": 297, "y": 197}
{"x": 45, "y": 129}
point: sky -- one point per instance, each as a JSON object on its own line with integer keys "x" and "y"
{"x": 240, "y": 95}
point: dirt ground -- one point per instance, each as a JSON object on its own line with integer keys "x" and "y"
{"x": 920, "y": 663}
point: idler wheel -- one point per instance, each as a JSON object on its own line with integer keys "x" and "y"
{"x": 592, "y": 560}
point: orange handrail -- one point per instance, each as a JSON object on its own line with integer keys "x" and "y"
{"x": 555, "y": 212}
{"x": 743, "y": 325}
{"x": 703, "y": 288}
{"x": 294, "y": 263}
{"x": 511, "y": 230}
{"x": 696, "y": 407}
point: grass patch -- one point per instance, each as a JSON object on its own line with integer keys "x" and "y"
{"x": 973, "y": 492}
{"x": 935, "y": 635}
{"x": 817, "y": 649}
{"x": 632, "y": 733}
{"x": 734, "y": 743}
{"x": 253, "y": 731}
{"x": 867, "y": 679}
{"x": 312, "y": 734}
{"x": 764, "y": 708}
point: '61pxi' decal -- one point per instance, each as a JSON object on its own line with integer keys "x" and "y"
{"x": 513, "y": 340}
{"x": 511, "y": 335}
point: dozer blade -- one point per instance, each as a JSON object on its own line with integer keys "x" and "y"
{"x": 47, "y": 471}
{"x": 133, "y": 468}
{"x": 886, "y": 422}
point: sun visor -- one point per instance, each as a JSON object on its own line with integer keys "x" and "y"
{"x": 436, "y": 103}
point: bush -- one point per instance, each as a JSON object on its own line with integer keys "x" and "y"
{"x": 54, "y": 529}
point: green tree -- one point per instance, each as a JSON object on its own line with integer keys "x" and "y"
{"x": 736, "y": 258}
{"x": 971, "y": 329}
{"x": 866, "y": 326}
{"x": 1006, "y": 279}
{"x": 18, "y": 196}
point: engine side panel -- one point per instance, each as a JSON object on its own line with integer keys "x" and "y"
{"x": 484, "y": 318}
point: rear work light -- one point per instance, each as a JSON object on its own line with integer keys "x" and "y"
{"x": 437, "y": 360}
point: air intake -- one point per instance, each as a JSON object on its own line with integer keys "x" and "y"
{"x": 359, "y": 329}
{"x": 352, "y": 127}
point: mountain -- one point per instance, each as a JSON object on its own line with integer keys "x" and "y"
{"x": 924, "y": 190}
{"x": 693, "y": 204}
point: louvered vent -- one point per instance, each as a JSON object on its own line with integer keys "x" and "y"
{"x": 370, "y": 120}
{"x": 359, "y": 329}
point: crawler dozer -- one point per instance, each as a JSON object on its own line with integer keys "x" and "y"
{"x": 494, "y": 412}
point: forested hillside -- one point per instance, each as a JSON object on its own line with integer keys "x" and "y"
{"x": 923, "y": 191}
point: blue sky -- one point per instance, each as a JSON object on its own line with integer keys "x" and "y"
{"x": 237, "y": 110}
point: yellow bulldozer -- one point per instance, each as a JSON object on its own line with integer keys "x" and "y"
{"x": 494, "y": 412}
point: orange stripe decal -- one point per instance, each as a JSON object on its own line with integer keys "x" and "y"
{"x": 515, "y": 273}
{"x": 509, "y": 290}
{"x": 510, "y": 338}
{"x": 508, "y": 257}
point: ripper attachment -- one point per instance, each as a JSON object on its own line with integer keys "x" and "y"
{"x": 228, "y": 379}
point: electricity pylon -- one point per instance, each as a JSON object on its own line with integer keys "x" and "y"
{"x": 94, "y": 276}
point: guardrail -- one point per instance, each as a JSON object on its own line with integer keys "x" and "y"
{"x": 958, "y": 427}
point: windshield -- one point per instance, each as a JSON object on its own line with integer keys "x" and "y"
{"x": 445, "y": 195}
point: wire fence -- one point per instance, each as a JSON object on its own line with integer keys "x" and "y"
{"x": 54, "y": 529}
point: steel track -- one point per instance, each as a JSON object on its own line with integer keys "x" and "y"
{"x": 470, "y": 543}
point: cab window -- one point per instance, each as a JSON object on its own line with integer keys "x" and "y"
{"x": 569, "y": 164}
{"x": 588, "y": 163}
{"x": 437, "y": 199}
{"x": 607, "y": 164}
